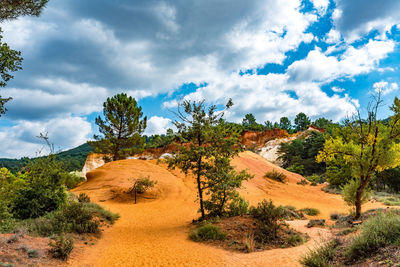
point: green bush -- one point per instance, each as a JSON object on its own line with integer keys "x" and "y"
{"x": 277, "y": 176}
{"x": 269, "y": 217}
{"x": 321, "y": 256}
{"x": 316, "y": 179}
{"x": 310, "y": 211}
{"x": 238, "y": 206}
{"x": 295, "y": 239}
{"x": 83, "y": 198}
{"x": 207, "y": 232}
{"x": 78, "y": 218}
{"x": 72, "y": 179}
{"x": 302, "y": 182}
{"x": 61, "y": 247}
{"x": 349, "y": 192}
{"x": 296, "y": 168}
{"x": 378, "y": 231}
{"x": 43, "y": 190}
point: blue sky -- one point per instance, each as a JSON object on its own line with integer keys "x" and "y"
{"x": 274, "y": 58}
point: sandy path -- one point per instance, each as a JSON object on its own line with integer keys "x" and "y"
{"x": 154, "y": 232}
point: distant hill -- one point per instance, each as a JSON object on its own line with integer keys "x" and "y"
{"x": 73, "y": 159}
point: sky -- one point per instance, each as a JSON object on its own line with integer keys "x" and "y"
{"x": 274, "y": 58}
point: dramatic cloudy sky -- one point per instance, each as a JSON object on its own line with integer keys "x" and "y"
{"x": 274, "y": 58}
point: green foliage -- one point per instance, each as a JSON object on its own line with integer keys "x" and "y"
{"x": 349, "y": 192}
{"x": 210, "y": 145}
{"x": 238, "y": 206}
{"x": 389, "y": 180}
{"x": 43, "y": 189}
{"x": 269, "y": 217}
{"x": 121, "y": 128}
{"x": 368, "y": 146}
{"x": 61, "y": 247}
{"x": 310, "y": 211}
{"x": 387, "y": 199}
{"x": 141, "y": 185}
{"x": 155, "y": 141}
{"x": 321, "y": 256}
{"x": 222, "y": 189}
{"x": 377, "y": 232}
{"x": 299, "y": 155}
{"x": 207, "y": 232}
{"x": 338, "y": 173}
{"x": 302, "y": 182}
{"x": 316, "y": 179}
{"x": 285, "y": 124}
{"x": 249, "y": 123}
{"x": 71, "y": 160}
{"x": 12, "y": 9}
{"x": 295, "y": 239}
{"x": 301, "y": 122}
{"x": 277, "y": 176}
{"x": 83, "y": 198}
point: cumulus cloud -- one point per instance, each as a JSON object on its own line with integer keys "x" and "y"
{"x": 337, "y": 89}
{"x": 317, "y": 66}
{"x": 321, "y": 6}
{"x": 158, "y": 125}
{"x": 385, "y": 87}
{"x": 21, "y": 140}
{"x": 359, "y": 17}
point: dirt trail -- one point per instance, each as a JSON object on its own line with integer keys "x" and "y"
{"x": 154, "y": 231}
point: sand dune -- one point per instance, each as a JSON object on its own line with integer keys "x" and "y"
{"x": 154, "y": 231}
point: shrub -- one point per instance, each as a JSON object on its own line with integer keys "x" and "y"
{"x": 33, "y": 253}
{"x": 207, "y": 232}
{"x": 77, "y": 218}
{"x": 72, "y": 179}
{"x": 378, "y": 231}
{"x": 43, "y": 190}
{"x": 310, "y": 211}
{"x": 296, "y": 168}
{"x": 302, "y": 182}
{"x": 269, "y": 217}
{"x": 295, "y": 239}
{"x": 349, "y": 192}
{"x": 321, "y": 256}
{"x": 83, "y": 198}
{"x": 238, "y": 206}
{"x": 316, "y": 179}
{"x": 61, "y": 247}
{"x": 102, "y": 213}
{"x": 277, "y": 176}
{"x": 312, "y": 223}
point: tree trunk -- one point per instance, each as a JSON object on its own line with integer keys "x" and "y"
{"x": 135, "y": 196}
{"x": 200, "y": 196}
{"x": 358, "y": 202}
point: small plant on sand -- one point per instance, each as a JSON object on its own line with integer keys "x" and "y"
{"x": 310, "y": 211}
{"x": 83, "y": 198}
{"x": 249, "y": 243}
{"x": 61, "y": 247}
{"x": 321, "y": 256}
{"x": 207, "y": 232}
{"x": 277, "y": 176}
{"x": 141, "y": 185}
{"x": 302, "y": 182}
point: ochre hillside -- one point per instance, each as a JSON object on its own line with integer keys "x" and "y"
{"x": 154, "y": 231}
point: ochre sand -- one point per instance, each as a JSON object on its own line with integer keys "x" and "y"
{"x": 154, "y": 232}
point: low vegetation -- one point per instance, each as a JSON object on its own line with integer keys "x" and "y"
{"x": 263, "y": 227}
{"x": 310, "y": 211}
{"x": 375, "y": 241}
{"x": 277, "y": 176}
{"x": 61, "y": 247}
{"x": 141, "y": 185}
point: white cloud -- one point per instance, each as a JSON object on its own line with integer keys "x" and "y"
{"x": 357, "y": 18}
{"x": 158, "y": 125}
{"x": 385, "y": 87}
{"x": 337, "y": 89}
{"x": 21, "y": 140}
{"x": 321, "y": 6}
{"x": 354, "y": 61}
{"x": 333, "y": 36}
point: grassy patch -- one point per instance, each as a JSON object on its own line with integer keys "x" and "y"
{"x": 310, "y": 211}
{"x": 207, "y": 232}
{"x": 277, "y": 176}
{"x": 387, "y": 198}
{"x": 378, "y": 231}
{"x": 321, "y": 256}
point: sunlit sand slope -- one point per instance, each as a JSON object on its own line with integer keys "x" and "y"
{"x": 154, "y": 231}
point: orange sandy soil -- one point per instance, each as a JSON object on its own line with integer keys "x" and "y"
{"x": 154, "y": 232}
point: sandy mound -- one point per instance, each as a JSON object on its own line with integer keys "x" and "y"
{"x": 154, "y": 231}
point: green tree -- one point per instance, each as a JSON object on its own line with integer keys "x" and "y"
{"x": 285, "y": 124}
{"x": 369, "y": 146}
{"x": 249, "y": 123}
{"x": 301, "y": 122}
{"x": 209, "y": 145}
{"x": 122, "y": 128}
{"x": 11, "y": 60}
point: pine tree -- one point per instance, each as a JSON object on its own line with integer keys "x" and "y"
{"x": 122, "y": 128}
